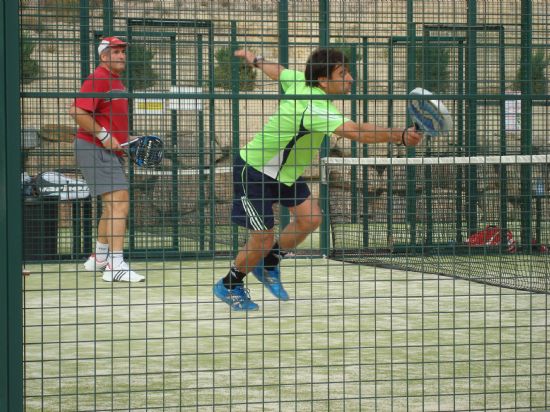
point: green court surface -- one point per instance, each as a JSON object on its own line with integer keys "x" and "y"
{"x": 351, "y": 337}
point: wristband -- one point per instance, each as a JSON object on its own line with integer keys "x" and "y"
{"x": 403, "y": 138}
{"x": 256, "y": 60}
{"x": 103, "y": 135}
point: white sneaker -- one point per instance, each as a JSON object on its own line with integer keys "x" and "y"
{"x": 122, "y": 273}
{"x": 93, "y": 265}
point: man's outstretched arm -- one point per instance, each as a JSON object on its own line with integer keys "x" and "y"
{"x": 369, "y": 133}
{"x": 271, "y": 70}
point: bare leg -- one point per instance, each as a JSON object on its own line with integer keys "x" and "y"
{"x": 112, "y": 225}
{"x": 258, "y": 245}
{"x": 307, "y": 218}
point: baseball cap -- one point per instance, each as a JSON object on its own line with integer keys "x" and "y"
{"x": 110, "y": 42}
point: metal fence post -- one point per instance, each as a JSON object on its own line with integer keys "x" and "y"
{"x": 526, "y": 120}
{"x": 324, "y": 41}
{"x": 11, "y": 354}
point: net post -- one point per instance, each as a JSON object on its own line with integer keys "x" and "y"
{"x": 471, "y": 114}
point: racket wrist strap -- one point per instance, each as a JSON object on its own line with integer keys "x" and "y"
{"x": 403, "y": 138}
{"x": 103, "y": 135}
{"x": 257, "y": 60}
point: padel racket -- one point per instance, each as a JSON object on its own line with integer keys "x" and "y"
{"x": 429, "y": 116}
{"x": 145, "y": 151}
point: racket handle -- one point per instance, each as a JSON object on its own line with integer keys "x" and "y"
{"x": 128, "y": 143}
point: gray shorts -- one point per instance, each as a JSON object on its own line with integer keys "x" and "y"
{"x": 102, "y": 169}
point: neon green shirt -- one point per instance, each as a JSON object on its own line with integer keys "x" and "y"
{"x": 291, "y": 138}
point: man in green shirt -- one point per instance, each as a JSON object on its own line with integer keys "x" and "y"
{"x": 268, "y": 169}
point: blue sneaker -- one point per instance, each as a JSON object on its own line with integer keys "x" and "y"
{"x": 238, "y": 298}
{"x": 271, "y": 279}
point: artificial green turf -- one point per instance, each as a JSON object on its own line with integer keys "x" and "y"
{"x": 351, "y": 337}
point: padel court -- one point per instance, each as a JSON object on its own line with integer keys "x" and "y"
{"x": 426, "y": 286}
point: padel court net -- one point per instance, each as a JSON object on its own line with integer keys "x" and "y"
{"x": 483, "y": 218}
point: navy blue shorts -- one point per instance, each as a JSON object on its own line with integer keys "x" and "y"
{"x": 255, "y": 193}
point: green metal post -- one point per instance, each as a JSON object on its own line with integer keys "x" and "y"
{"x": 354, "y": 192}
{"x": 324, "y": 23}
{"x": 389, "y": 202}
{"x": 324, "y": 41}
{"x": 526, "y": 171}
{"x": 202, "y": 180}
{"x": 11, "y": 338}
{"x": 235, "y": 125}
{"x": 131, "y": 175}
{"x": 502, "y": 76}
{"x": 365, "y": 233}
{"x": 84, "y": 38}
{"x": 428, "y": 241}
{"x": 410, "y": 217}
{"x": 107, "y": 18}
{"x": 539, "y": 193}
{"x": 503, "y": 168}
{"x": 212, "y": 139}
{"x": 84, "y": 73}
{"x": 283, "y": 32}
{"x": 284, "y": 214}
{"x": 460, "y": 143}
{"x": 174, "y": 143}
{"x": 471, "y": 114}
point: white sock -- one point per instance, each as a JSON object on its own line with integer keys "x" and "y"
{"x": 116, "y": 259}
{"x": 101, "y": 251}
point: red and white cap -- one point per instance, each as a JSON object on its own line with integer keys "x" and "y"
{"x": 110, "y": 42}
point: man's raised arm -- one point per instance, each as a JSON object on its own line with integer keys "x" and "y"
{"x": 271, "y": 70}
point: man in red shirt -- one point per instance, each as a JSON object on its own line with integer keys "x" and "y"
{"x": 103, "y": 127}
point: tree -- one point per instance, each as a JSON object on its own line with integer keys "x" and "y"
{"x": 30, "y": 68}
{"x": 347, "y": 49}
{"x": 141, "y": 72}
{"x": 222, "y": 71}
{"x": 432, "y": 67}
{"x": 539, "y": 63}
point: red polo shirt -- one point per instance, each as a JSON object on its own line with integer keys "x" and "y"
{"x": 110, "y": 113}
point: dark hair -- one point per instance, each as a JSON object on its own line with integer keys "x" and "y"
{"x": 321, "y": 63}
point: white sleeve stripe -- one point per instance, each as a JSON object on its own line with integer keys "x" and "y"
{"x": 317, "y": 111}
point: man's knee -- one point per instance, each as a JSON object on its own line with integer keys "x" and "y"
{"x": 309, "y": 223}
{"x": 116, "y": 203}
{"x": 121, "y": 208}
{"x": 262, "y": 240}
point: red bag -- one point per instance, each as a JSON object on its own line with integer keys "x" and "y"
{"x": 490, "y": 236}
{"x": 539, "y": 247}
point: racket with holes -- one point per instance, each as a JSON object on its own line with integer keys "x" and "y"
{"x": 429, "y": 115}
{"x": 145, "y": 151}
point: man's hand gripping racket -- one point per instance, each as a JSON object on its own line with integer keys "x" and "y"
{"x": 145, "y": 151}
{"x": 429, "y": 116}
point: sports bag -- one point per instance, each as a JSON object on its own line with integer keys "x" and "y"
{"x": 490, "y": 236}
{"x": 56, "y": 184}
